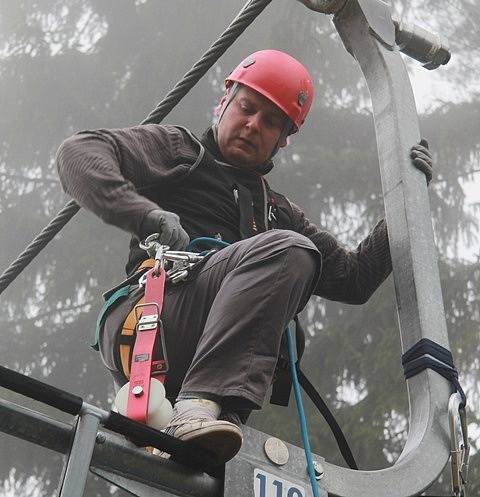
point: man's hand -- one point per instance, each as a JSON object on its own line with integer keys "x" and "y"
{"x": 422, "y": 159}
{"x": 168, "y": 225}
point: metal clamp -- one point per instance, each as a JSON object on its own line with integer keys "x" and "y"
{"x": 459, "y": 449}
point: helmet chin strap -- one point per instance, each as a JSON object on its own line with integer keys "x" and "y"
{"x": 233, "y": 90}
{"x": 286, "y": 131}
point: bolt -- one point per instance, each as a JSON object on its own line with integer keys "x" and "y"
{"x": 101, "y": 438}
{"x": 318, "y": 469}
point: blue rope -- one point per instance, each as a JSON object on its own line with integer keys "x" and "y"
{"x": 301, "y": 413}
{"x": 205, "y": 240}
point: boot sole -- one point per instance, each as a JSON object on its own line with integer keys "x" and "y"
{"x": 222, "y": 440}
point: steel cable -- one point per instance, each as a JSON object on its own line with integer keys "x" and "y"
{"x": 38, "y": 243}
{"x": 251, "y": 10}
{"x": 246, "y": 16}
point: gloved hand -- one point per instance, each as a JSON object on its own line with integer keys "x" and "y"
{"x": 422, "y": 159}
{"x": 168, "y": 225}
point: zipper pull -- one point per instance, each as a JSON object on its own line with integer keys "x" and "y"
{"x": 271, "y": 215}
{"x": 235, "y": 193}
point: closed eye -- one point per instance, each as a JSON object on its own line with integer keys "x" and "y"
{"x": 247, "y": 108}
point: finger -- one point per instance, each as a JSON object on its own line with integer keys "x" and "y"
{"x": 424, "y": 143}
{"x": 419, "y": 154}
{"x": 185, "y": 240}
{"x": 166, "y": 236}
{"x": 422, "y": 149}
{"x": 424, "y": 167}
{"x": 172, "y": 242}
{"x": 181, "y": 239}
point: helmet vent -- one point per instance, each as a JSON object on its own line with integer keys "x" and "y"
{"x": 248, "y": 62}
{"x": 302, "y": 98}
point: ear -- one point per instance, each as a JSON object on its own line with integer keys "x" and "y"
{"x": 221, "y": 102}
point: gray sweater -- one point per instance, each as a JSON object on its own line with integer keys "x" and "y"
{"x": 122, "y": 174}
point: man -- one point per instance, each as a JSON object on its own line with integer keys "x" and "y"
{"x": 223, "y": 326}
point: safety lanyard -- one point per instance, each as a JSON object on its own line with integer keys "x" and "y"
{"x": 148, "y": 331}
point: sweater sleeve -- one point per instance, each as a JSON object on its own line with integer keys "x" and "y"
{"x": 349, "y": 276}
{"x": 105, "y": 171}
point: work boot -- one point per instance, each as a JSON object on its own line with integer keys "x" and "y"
{"x": 195, "y": 420}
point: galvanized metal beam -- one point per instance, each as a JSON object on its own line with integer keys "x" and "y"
{"x": 416, "y": 276}
{"x": 112, "y": 454}
{"x": 78, "y": 464}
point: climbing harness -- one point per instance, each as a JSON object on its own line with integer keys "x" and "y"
{"x": 142, "y": 349}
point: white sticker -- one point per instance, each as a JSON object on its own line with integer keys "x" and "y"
{"x": 268, "y": 485}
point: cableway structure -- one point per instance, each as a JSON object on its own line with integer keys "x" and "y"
{"x": 267, "y": 466}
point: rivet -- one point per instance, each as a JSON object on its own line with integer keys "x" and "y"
{"x": 137, "y": 390}
{"x": 276, "y": 451}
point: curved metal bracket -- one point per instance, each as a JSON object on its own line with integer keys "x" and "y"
{"x": 416, "y": 276}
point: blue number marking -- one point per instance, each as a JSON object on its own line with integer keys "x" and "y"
{"x": 263, "y": 480}
{"x": 294, "y": 492}
{"x": 279, "y": 486}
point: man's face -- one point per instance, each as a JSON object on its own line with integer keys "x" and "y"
{"x": 249, "y": 129}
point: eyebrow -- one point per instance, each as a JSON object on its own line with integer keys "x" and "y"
{"x": 273, "y": 111}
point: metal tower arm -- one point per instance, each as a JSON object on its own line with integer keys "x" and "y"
{"x": 368, "y": 32}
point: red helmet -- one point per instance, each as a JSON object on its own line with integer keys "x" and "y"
{"x": 280, "y": 78}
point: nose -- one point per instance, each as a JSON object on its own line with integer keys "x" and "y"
{"x": 253, "y": 121}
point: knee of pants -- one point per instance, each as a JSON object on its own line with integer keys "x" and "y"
{"x": 304, "y": 260}
{"x": 276, "y": 239}
{"x": 303, "y": 249}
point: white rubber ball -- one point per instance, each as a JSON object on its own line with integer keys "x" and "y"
{"x": 160, "y": 409}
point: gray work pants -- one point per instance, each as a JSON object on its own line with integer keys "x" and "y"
{"x": 223, "y": 328}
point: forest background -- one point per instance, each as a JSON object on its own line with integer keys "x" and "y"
{"x": 84, "y": 64}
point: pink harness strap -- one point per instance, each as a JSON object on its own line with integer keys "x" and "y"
{"x": 149, "y": 329}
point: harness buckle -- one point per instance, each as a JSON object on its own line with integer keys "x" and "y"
{"x": 148, "y": 322}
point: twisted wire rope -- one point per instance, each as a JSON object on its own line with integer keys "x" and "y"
{"x": 250, "y": 11}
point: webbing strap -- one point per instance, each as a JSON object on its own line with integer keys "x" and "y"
{"x": 127, "y": 335}
{"x": 315, "y": 397}
{"x": 127, "y": 340}
{"x": 428, "y": 354}
{"x": 247, "y": 222}
{"x": 148, "y": 328}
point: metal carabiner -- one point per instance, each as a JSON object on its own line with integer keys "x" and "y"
{"x": 459, "y": 452}
{"x": 156, "y": 251}
{"x": 159, "y": 259}
{"x": 466, "y": 445}
{"x": 150, "y": 244}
